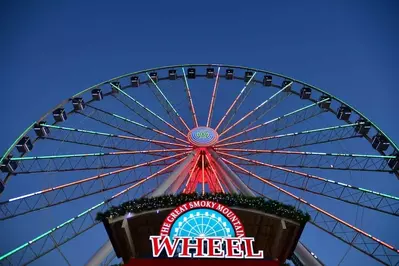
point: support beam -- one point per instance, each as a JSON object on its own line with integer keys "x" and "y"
{"x": 231, "y": 175}
{"x": 223, "y": 175}
{"x": 100, "y": 255}
{"x": 175, "y": 174}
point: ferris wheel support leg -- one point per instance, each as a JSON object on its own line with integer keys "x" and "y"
{"x": 305, "y": 257}
{"x": 231, "y": 175}
{"x": 174, "y": 175}
{"x": 100, "y": 255}
{"x": 223, "y": 175}
{"x": 180, "y": 179}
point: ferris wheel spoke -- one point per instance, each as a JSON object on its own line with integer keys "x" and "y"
{"x": 284, "y": 121}
{"x": 191, "y": 176}
{"x": 112, "y": 119}
{"x": 167, "y": 105}
{"x": 104, "y": 134}
{"x": 303, "y": 138}
{"x": 75, "y": 223}
{"x": 143, "y": 107}
{"x": 321, "y": 160}
{"x": 74, "y": 190}
{"x": 88, "y": 161}
{"x": 217, "y": 184}
{"x": 99, "y": 141}
{"x": 190, "y": 99}
{"x": 315, "y": 184}
{"x": 130, "y": 122}
{"x": 135, "y": 109}
{"x": 236, "y": 103}
{"x": 91, "y": 138}
{"x": 123, "y": 126}
{"x": 344, "y": 231}
{"x": 213, "y": 99}
{"x": 59, "y": 196}
{"x": 262, "y": 108}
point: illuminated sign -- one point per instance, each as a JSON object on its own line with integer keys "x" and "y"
{"x": 203, "y": 229}
{"x": 203, "y": 136}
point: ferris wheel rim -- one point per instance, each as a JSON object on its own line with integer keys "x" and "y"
{"x": 62, "y": 103}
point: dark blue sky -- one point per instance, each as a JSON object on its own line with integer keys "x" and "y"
{"x": 50, "y": 50}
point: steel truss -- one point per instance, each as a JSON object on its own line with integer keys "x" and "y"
{"x": 331, "y": 161}
{"x": 333, "y": 225}
{"x": 325, "y": 187}
{"x": 68, "y": 230}
{"x": 75, "y": 190}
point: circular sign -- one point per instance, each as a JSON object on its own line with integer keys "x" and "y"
{"x": 202, "y": 218}
{"x": 203, "y": 136}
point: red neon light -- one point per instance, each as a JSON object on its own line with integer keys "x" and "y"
{"x": 205, "y": 247}
{"x": 200, "y": 262}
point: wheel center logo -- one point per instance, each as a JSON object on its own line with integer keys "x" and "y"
{"x": 203, "y": 136}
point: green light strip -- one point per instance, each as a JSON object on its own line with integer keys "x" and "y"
{"x": 140, "y": 104}
{"x": 130, "y": 121}
{"x": 185, "y": 78}
{"x": 294, "y": 112}
{"x": 311, "y": 153}
{"x": 163, "y": 95}
{"x": 315, "y": 130}
{"x": 58, "y": 156}
{"x": 246, "y": 85}
{"x": 274, "y": 95}
{"x": 378, "y": 193}
{"x": 48, "y": 232}
{"x": 81, "y": 130}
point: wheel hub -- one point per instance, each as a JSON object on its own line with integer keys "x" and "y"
{"x": 203, "y": 136}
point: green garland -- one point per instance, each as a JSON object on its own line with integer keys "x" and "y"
{"x": 231, "y": 200}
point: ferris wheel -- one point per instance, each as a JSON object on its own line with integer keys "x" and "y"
{"x": 199, "y": 128}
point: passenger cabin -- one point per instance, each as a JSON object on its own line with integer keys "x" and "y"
{"x": 24, "y": 145}
{"x": 154, "y": 77}
{"x": 40, "y": 130}
{"x": 7, "y": 165}
{"x": 248, "y": 76}
{"x": 343, "y": 113}
{"x": 380, "y": 142}
{"x": 191, "y": 73}
{"x": 326, "y": 102}
{"x": 135, "y": 81}
{"x": 116, "y": 86}
{"x": 286, "y": 83}
{"x": 267, "y": 80}
{"x": 229, "y": 74}
{"x": 97, "y": 94}
{"x": 305, "y": 93}
{"x": 60, "y": 115}
{"x": 210, "y": 72}
{"x": 172, "y": 74}
{"x": 78, "y": 104}
{"x": 363, "y": 126}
